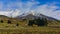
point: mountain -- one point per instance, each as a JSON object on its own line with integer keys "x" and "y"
{"x": 50, "y": 20}
{"x": 31, "y": 16}
{"x": 47, "y": 17}
{"x": 3, "y": 16}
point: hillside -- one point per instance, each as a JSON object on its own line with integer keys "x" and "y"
{"x": 23, "y": 20}
{"x": 22, "y": 28}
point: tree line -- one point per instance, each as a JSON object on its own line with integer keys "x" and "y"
{"x": 38, "y": 22}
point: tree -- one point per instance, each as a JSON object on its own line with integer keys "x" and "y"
{"x": 42, "y": 22}
{"x": 39, "y": 22}
{"x": 31, "y": 22}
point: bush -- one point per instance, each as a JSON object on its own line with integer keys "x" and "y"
{"x": 9, "y": 22}
{"x": 1, "y": 21}
{"x": 17, "y": 24}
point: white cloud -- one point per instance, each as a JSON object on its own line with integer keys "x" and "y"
{"x": 4, "y": 13}
{"x": 26, "y": 8}
{"x": 49, "y": 10}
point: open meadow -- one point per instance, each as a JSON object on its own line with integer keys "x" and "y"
{"x": 23, "y": 28}
{"x": 6, "y": 28}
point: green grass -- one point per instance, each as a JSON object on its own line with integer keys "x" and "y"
{"x": 13, "y": 29}
{"x": 30, "y": 30}
{"x": 6, "y": 28}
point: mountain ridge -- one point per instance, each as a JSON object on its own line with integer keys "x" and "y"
{"x": 32, "y": 16}
{"x": 35, "y": 17}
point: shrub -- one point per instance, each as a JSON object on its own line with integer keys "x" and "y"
{"x": 9, "y": 22}
{"x": 17, "y": 24}
{"x": 1, "y": 21}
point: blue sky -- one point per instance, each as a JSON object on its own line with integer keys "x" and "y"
{"x": 17, "y": 7}
{"x": 13, "y": 4}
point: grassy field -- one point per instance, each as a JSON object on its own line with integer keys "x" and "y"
{"x": 5, "y": 28}
{"x": 13, "y": 29}
{"x": 30, "y": 30}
